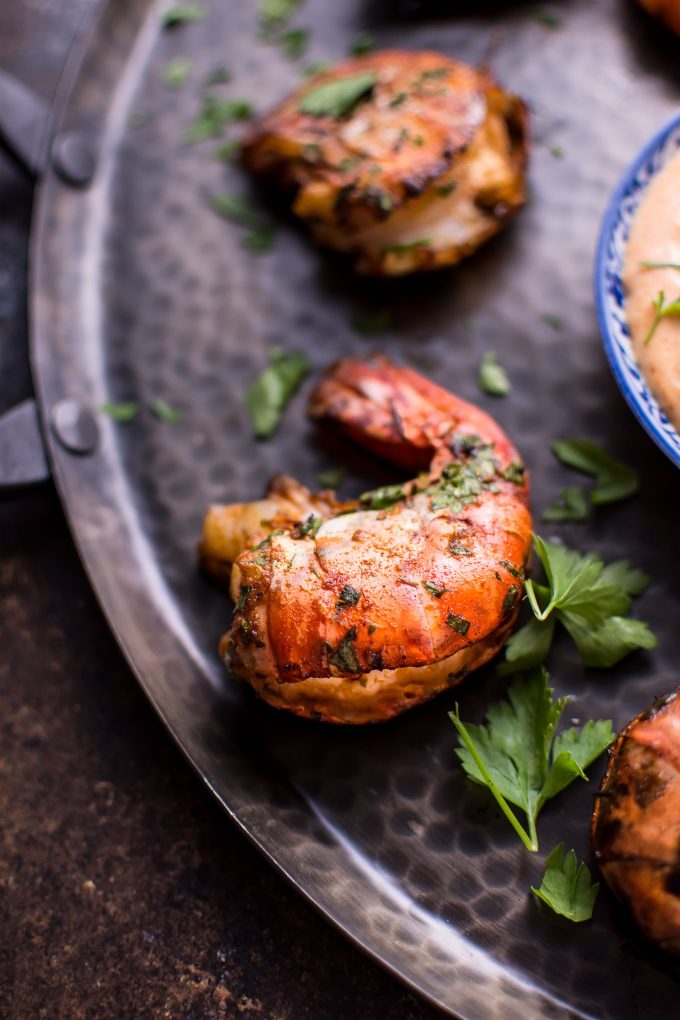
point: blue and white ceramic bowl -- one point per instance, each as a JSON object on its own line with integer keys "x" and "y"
{"x": 609, "y": 295}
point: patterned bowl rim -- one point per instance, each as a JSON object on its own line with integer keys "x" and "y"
{"x": 668, "y": 441}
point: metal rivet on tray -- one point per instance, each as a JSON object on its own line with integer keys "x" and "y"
{"x": 74, "y": 426}
{"x": 72, "y": 159}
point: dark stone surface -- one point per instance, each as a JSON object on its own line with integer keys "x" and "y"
{"x": 124, "y": 891}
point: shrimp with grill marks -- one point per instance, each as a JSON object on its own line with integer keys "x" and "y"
{"x": 424, "y": 163}
{"x": 356, "y": 611}
{"x": 636, "y": 823}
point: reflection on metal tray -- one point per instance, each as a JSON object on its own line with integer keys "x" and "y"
{"x": 141, "y": 292}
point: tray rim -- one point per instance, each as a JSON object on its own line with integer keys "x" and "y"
{"x": 64, "y": 465}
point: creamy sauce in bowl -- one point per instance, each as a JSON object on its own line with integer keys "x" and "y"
{"x": 655, "y": 238}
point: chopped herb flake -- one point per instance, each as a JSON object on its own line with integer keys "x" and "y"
{"x": 547, "y": 18}
{"x": 229, "y": 150}
{"x": 363, "y": 43}
{"x": 176, "y": 72}
{"x": 275, "y": 12}
{"x": 308, "y": 528}
{"x": 165, "y": 412}
{"x": 244, "y": 592}
{"x": 260, "y": 240}
{"x": 458, "y": 549}
{"x": 338, "y": 97}
{"x": 220, "y": 76}
{"x": 400, "y": 249}
{"x": 433, "y": 589}
{"x": 214, "y": 117}
{"x": 344, "y": 657}
{"x": 349, "y": 596}
{"x": 268, "y": 395}
{"x": 458, "y": 623}
{"x": 382, "y": 498}
{"x": 492, "y": 377}
{"x": 182, "y": 14}
{"x": 331, "y": 478}
{"x": 123, "y": 412}
{"x": 294, "y": 42}
{"x": 372, "y": 324}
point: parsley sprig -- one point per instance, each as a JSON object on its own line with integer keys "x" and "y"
{"x": 590, "y": 600}
{"x": 518, "y": 756}
{"x": 566, "y": 887}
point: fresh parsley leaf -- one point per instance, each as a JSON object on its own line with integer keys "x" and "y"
{"x": 632, "y": 580}
{"x": 662, "y": 311}
{"x": 331, "y": 478}
{"x": 363, "y": 43}
{"x": 492, "y": 377}
{"x": 165, "y": 412}
{"x": 182, "y": 14}
{"x": 614, "y": 480}
{"x": 517, "y": 756}
{"x": 576, "y": 585}
{"x": 603, "y": 646}
{"x": 294, "y": 42}
{"x": 371, "y": 325}
{"x": 338, "y": 97}
{"x": 176, "y": 72}
{"x": 215, "y": 115}
{"x": 573, "y": 505}
{"x": 590, "y": 600}
{"x": 528, "y": 647}
{"x": 267, "y": 396}
{"x": 566, "y": 887}
{"x": 123, "y": 412}
{"x": 434, "y": 589}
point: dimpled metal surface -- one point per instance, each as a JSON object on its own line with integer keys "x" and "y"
{"x": 141, "y": 292}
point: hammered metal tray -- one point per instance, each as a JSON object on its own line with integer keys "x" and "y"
{"x": 140, "y": 291}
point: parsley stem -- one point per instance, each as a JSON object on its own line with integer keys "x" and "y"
{"x": 540, "y": 614}
{"x": 530, "y": 839}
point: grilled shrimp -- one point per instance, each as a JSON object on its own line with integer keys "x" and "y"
{"x": 636, "y": 822}
{"x": 354, "y": 612}
{"x": 426, "y": 164}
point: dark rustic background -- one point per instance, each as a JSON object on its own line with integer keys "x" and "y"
{"x": 124, "y": 891}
